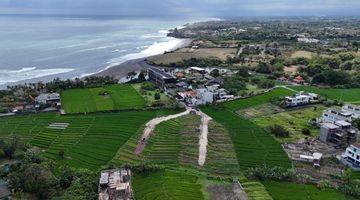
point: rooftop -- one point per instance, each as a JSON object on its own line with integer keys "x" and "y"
{"x": 161, "y": 72}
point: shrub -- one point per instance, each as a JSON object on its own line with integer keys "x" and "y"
{"x": 279, "y": 131}
{"x": 306, "y": 131}
{"x": 157, "y": 96}
{"x": 269, "y": 173}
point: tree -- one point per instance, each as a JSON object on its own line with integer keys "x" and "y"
{"x": 356, "y": 123}
{"x": 215, "y": 73}
{"x": 142, "y": 75}
{"x": 61, "y": 154}
{"x": 157, "y": 96}
{"x": 243, "y": 72}
{"x": 306, "y": 131}
{"x": 279, "y": 131}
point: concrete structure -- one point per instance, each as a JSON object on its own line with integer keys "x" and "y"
{"x": 315, "y": 158}
{"x": 301, "y": 98}
{"x": 354, "y": 109}
{"x": 340, "y": 133}
{"x": 47, "y": 98}
{"x": 115, "y": 185}
{"x": 160, "y": 77}
{"x": 204, "y": 96}
{"x": 197, "y": 70}
{"x": 332, "y": 115}
{"x": 351, "y": 157}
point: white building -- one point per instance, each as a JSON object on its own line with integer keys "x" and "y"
{"x": 204, "y": 96}
{"x": 301, "y": 98}
{"x": 46, "y": 98}
{"x": 332, "y": 115}
{"x": 354, "y": 109}
{"x": 351, "y": 157}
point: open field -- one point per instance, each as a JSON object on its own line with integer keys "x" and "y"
{"x": 293, "y": 191}
{"x": 188, "y": 53}
{"x": 253, "y": 146}
{"x": 346, "y": 95}
{"x": 166, "y": 185}
{"x": 302, "y": 54}
{"x": 256, "y": 191}
{"x": 90, "y": 141}
{"x": 257, "y": 100}
{"x": 293, "y": 121}
{"x": 149, "y": 96}
{"x": 117, "y": 97}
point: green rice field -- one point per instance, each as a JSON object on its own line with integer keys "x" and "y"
{"x": 167, "y": 185}
{"x": 90, "y": 141}
{"x": 293, "y": 191}
{"x": 111, "y": 97}
{"x": 347, "y": 95}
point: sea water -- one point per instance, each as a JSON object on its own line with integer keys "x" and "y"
{"x": 34, "y": 48}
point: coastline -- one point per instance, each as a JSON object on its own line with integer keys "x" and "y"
{"x": 121, "y": 70}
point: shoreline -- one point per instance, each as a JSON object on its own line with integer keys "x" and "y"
{"x": 121, "y": 70}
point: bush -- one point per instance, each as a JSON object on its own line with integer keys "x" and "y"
{"x": 157, "y": 96}
{"x": 306, "y": 131}
{"x": 147, "y": 86}
{"x": 269, "y": 173}
{"x": 279, "y": 131}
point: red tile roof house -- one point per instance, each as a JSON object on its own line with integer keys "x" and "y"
{"x": 299, "y": 80}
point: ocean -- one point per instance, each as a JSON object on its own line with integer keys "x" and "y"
{"x": 34, "y": 48}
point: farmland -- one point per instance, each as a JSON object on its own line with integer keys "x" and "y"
{"x": 253, "y": 146}
{"x": 293, "y": 191}
{"x": 90, "y": 141}
{"x": 112, "y": 97}
{"x": 165, "y": 184}
{"x": 346, "y": 95}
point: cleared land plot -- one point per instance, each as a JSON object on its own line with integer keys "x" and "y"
{"x": 302, "y": 54}
{"x": 293, "y": 191}
{"x": 149, "y": 96}
{"x": 90, "y": 141}
{"x": 117, "y": 97}
{"x": 188, "y": 53}
{"x": 253, "y": 146}
{"x": 166, "y": 185}
{"x": 346, "y": 95}
{"x": 292, "y": 120}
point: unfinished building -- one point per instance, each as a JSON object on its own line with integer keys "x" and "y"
{"x": 115, "y": 185}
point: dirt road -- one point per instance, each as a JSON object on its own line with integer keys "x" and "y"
{"x": 150, "y": 126}
{"x": 203, "y": 139}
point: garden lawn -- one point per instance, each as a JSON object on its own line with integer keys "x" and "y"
{"x": 347, "y": 95}
{"x": 85, "y": 100}
{"x": 293, "y": 191}
{"x": 166, "y": 185}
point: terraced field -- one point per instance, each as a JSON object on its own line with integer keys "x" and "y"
{"x": 293, "y": 191}
{"x": 118, "y": 97}
{"x": 167, "y": 185}
{"x": 347, "y": 95}
{"x": 89, "y": 142}
{"x": 256, "y": 191}
{"x": 253, "y": 146}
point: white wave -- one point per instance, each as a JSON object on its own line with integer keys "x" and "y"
{"x": 12, "y": 76}
{"x": 155, "y": 49}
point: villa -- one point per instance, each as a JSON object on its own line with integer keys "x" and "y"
{"x": 351, "y": 157}
{"x": 301, "y": 98}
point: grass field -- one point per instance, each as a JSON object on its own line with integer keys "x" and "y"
{"x": 90, "y": 141}
{"x": 253, "y": 146}
{"x": 119, "y": 97}
{"x": 293, "y": 191}
{"x": 346, "y": 95}
{"x": 293, "y": 121}
{"x": 256, "y": 191}
{"x": 166, "y": 185}
{"x": 302, "y": 54}
{"x": 257, "y": 100}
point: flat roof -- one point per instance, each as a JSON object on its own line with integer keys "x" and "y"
{"x": 197, "y": 68}
{"x": 161, "y": 72}
{"x": 342, "y": 123}
{"x": 330, "y": 125}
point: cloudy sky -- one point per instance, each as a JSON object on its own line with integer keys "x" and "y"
{"x": 208, "y": 8}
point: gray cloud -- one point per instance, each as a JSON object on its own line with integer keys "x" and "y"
{"x": 186, "y": 7}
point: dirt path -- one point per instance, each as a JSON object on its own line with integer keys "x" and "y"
{"x": 150, "y": 126}
{"x": 203, "y": 139}
{"x": 286, "y": 87}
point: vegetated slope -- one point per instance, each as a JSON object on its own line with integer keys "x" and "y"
{"x": 293, "y": 191}
{"x": 253, "y": 146}
{"x": 111, "y": 97}
{"x": 167, "y": 185}
{"x": 89, "y": 142}
{"x": 257, "y": 100}
{"x": 347, "y": 95}
{"x": 256, "y": 191}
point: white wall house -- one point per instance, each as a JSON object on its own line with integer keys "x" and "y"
{"x": 354, "y": 109}
{"x": 300, "y": 98}
{"x": 45, "y": 98}
{"x": 351, "y": 156}
{"x": 332, "y": 115}
{"x": 204, "y": 97}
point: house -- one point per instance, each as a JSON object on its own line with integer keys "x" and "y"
{"x": 160, "y": 77}
{"x": 115, "y": 185}
{"x": 198, "y": 70}
{"x": 340, "y": 133}
{"x": 332, "y": 115}
{"x": 354, "y": 109}
{"x": 182, "y": 84}
{"x": 351, "y": 157}
{"x": 301, "y": 98}
{"x": 315, "y": 158}
{"x": 47, "y": 98}
{"x": 204, "y": 96}
{"x": 18, "y": 109}
{"x": 299, "y": 80}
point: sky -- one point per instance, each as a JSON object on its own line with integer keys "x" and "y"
{"x": 168, "y": 8}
